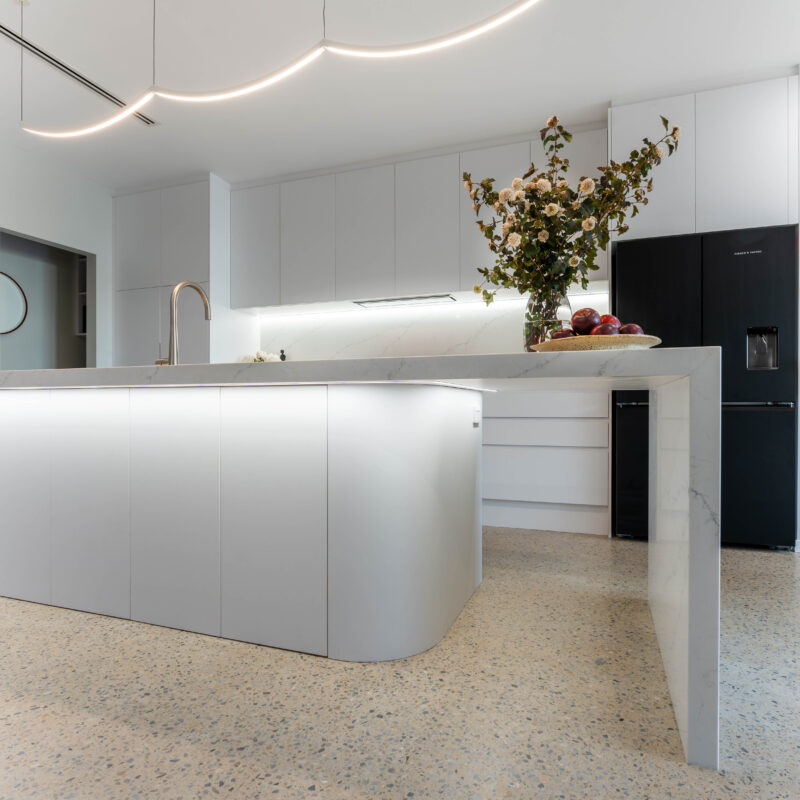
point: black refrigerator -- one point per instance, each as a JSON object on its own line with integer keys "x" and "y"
{"x": 739, "y": 290}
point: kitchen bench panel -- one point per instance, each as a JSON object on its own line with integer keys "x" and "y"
{"x": 542, "y": 432}
{"x": 90, "y": 497}
{"x": 546, "y": 516}
{"x": 546, "y": 474}
{"x": 175, "y": 508}
{"x": 25, "y": 429}
{"x": 546, "y": 404}
{"x": 273, "y": 495}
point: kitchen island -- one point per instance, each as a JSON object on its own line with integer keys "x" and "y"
{"x": 332, "y": 507}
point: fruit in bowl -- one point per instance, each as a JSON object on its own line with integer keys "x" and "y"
{"x": 631, "y": 328}
{"x": 584, "y": 319}
{"x": 605, "y": 329}
{"x": 563, "y": 333}
{"x": 610, "y": 319}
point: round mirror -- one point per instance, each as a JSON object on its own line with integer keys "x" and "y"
{"x": 13, "y": 304}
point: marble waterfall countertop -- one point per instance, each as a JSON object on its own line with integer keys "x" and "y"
{"x": 618, "y": 369}
{"x": 683, "y": 549}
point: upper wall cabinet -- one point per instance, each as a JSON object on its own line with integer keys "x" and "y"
{"x": 137, "y": 240}
{"x": 365, "y": 233}
{"x": 185, "y": 233}
{"x": 746, "y": 155}
{"x": 162, "y": 237}
{"x": 502, "y": 163}
{"x": 426, "y": 192}
{"x": 308, "y": 240}
{"x": 671, "y": 204}
{"x": 256, "y": 247}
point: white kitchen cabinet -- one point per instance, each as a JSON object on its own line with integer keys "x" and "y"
{"x": 193, "y": 328}
{"x": 137, "y": 327}
{"x": 365, "y": 245}
{"x": 273, "y": 490}
{"x": 427, "y": 208}
{"x": 256, "y": 247}
{"x": 174, "y": 508}
{"x": 137, "y": 240}
{"x": 308, "y": 265}
{"x": 503, "y": 163}
{"x": 90, "y": 520}
{"x": 25, "y": 431}
{"x": 671, "y": 204}
{"x": 746, "y": 155}
{"x": 184, "y": 233}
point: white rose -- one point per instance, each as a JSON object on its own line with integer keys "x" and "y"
{"x": 589, "y": 223}
{"x": 551, "y": 209}
{"x": 660, "y": 151}
{"x": 552, "y": 122}
{"x": 511, "y": 218}
{"x": 543, "y": 185}
{"x": 505, "y": 194}
{"x": 514, "y": 240}
{"x": 516, "y": 183}
{"x": 496, "y": 206}
{"x": 586, "y": 186}
{"x": 676, "y": 133}
{"x": 527, "y": 205}
{"x": 543, "y": 236}
{"x": 574, "y": 261}
{"x": 530, "y": 186}
{"x": 562, "y": 184}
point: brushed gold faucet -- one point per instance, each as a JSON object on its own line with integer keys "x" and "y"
{"x": 173, "y": 315}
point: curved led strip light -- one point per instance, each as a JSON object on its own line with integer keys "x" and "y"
{"x": 388, "y": 51}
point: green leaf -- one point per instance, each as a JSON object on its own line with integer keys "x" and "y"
{"x": 664, "y": 122}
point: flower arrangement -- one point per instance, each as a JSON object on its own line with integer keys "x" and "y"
{"x": 545, "y": 233}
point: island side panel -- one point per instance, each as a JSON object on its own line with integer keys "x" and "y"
{"x": 684, "y": 552}
{"x": 704, "y": 563}
{"x": 273, "y": 511}
{"x": 669, "y": 534}
{"x": 403, "y": 523}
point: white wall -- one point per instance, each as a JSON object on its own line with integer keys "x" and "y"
{"x": 42, "y": 198}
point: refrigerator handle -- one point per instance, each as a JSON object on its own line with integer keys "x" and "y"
{"x": 762, "y": 404}
{"x": 632, "y": 405}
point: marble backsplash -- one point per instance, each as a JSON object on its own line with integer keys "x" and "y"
{"x": 446, "y": 329}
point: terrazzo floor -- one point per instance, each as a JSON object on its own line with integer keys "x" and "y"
{"x": 549, "y": 685}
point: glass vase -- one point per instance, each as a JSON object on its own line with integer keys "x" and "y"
{"x": 543, "y": 315}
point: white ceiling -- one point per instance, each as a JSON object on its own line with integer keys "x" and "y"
{"x": 570, "y": 57}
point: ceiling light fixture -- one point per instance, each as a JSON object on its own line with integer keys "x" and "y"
{"x": 339, "y": 48}
{"x": 440, "y": 43}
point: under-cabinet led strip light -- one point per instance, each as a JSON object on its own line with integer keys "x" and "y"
{"x": 359, "y": 51}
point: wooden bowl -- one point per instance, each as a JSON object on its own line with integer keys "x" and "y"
{"x": 619, "y": 341}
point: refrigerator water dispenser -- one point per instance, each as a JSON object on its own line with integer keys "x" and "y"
{"x": 762, "y": 348}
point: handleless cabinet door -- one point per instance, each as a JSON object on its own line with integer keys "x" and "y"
{"x": 743, "y": 155}
{"x": 502, "y": 163}
{"x": 137, "y": 240}
{"x": 273, "y": 487}
{"x": 137, "y": 327}
{"x": 256, "y": 247}
{"x": 185, "y": 237}
{"x": 671, "y": 204}
{"x": 307, "y": 240}
{"x": 91, "y": 523}
{"x": 175, "y": 508}
{"x": 365, "y": 233}
{"x": 25, "y": 432}
{"x": 427, "y": 225}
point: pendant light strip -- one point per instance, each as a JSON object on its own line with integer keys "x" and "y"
{"x": 440, "y": 43}
{"x": 339, "y": 48}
